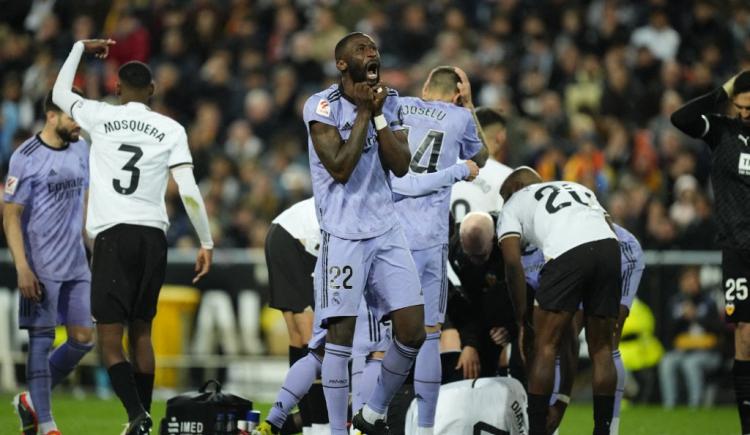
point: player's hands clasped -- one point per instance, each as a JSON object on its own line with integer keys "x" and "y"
{"x": 99, "y": 47}
{"x": 29, "y": 284}
{"x": 473, "y": 170}
{"x": 363, "y": 96}
{"x": 203, "y": 263}
{"x": 469, "y": 362}
{"x": 380, "y": 92}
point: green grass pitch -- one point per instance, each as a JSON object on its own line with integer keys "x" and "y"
{"x": 106, "y": 417}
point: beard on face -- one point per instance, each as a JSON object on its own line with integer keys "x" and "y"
{"x": 357, "y": 72}
{"x": 71, "y": 135}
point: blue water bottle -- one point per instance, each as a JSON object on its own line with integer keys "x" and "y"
{"x": 253, "y": 419}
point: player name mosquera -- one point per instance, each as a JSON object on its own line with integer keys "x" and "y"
{"x": 138, "y": 126}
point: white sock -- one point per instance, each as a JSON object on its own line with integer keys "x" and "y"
{"x": 370, "y": 415}
{"x": 47, "y": 426}
{"x": 614, "y": 427}
{"x": 425, "y": 430}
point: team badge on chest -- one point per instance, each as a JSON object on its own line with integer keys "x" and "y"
{"x": 744, "y": 164}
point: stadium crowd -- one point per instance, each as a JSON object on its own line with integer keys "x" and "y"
{"x": 586, "y": 87}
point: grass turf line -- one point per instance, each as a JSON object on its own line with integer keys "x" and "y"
{"x": 93, "y": 416}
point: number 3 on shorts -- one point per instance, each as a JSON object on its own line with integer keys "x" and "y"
{"x": 736, "y": 289}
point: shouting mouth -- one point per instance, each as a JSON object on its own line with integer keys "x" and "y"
{"x": 372, "y": 72}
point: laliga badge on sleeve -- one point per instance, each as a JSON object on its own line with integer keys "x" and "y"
{"x": 323, "y": 108}
{"x": 730, "y": 309}
{"x": 11, "y": 184}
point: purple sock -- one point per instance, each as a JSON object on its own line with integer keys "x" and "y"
{"x": 395, "y": 368}
{"x": 364, "y": 384}
{"x": 38, "y": 373}
{"x": 335, "y": 374}
{"x": 65, "y": 358}
{"x": 358, "y": 369}
{"x": 427, "y": 377}
{"x": 620, "y": 389}
{"x": 298, "y": 380}
{"x": 556, "y": 385}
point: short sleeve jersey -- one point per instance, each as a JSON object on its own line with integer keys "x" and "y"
{"x": 439, "y": 134}
{"x": 555, "y": 216}
{"x": 729, "y": 141}
{"x": 362, "y": 207}
{"x": 481, "y": 194}
{"x": 300, "y": 222}
{"x": 132, "y": 151}
{"x": 50, "y": 184}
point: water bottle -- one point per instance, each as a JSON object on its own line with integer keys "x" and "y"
{"x": 253, "y": 419}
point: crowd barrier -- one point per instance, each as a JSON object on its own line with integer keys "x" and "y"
{"x": 216, "y": 325}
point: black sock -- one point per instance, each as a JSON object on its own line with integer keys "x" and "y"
{"x": 741, "y": 381}
{"x": 318, "y": 410}
{"x": 296, "y": 354}
{"x": 123, "y": 382}
{"x": 449, "y": 361}
{"x": 145, "y": 384}
{"x": 604, "y": 407}
{"x": 538, "y": 407}
{"x": 292, "y": 424}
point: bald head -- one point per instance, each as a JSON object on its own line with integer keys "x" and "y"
{"x": 477, "y": 234}
{"x": 523, "y": 176}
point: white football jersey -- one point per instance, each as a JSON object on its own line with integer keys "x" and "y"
{"x": 556, "y": 217}
{"x": 301, "y": 221}
{"x": 477, "y": 406}
{"x": 482, "y": 194}
{"x": 132, "y": 151}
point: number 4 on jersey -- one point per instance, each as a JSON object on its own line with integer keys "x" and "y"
{"x": 432, "y": 141}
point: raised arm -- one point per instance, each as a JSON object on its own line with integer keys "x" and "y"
{"x": 196, "y": 211}
{"x": 394, "y": 145}
{"x": 340, "y": 157}
{"x": 425, "y": 184}
{"x": 691, "y": 119}
{"x": 62, "y": 94}
{"x": 464, "y": 88}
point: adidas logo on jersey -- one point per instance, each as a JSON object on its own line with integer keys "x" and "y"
{"x": 347, "y": 126}
{"x": 52, "y": 173}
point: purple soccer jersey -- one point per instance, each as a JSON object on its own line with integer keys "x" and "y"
{"x": 439, "y": 134}
{"x": 50, "y": 184}
{"x": 362, "y": 207}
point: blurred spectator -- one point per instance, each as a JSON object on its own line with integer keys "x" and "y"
{"x": 583, "y": 99}
{"x": 694, "y": 328}
{"x": 658, "y": 36}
